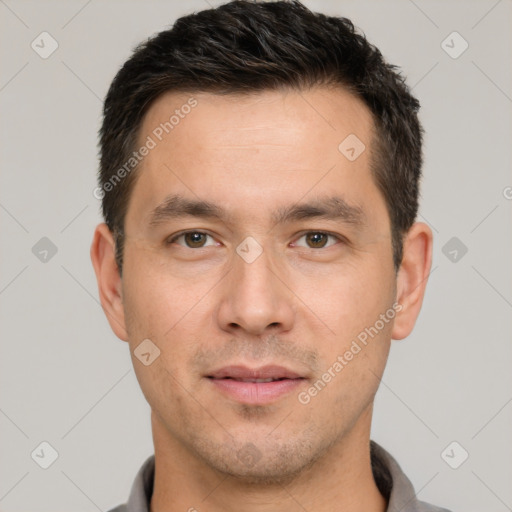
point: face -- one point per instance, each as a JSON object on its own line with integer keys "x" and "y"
{"x": 286, "y": 273}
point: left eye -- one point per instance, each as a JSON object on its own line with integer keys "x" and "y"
{"x": 317, "y": 239}
{"x": 193, "y": 239}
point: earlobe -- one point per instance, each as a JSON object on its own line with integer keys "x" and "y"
{"x": 412, "y": 278}
{"x": 109, "y": 280}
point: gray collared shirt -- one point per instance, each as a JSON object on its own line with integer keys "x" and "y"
{"x": 390, "y": 479}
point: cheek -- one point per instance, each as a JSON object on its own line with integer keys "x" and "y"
{"x": 158, "y": 311}
{"x": 350, "y": 302}
{"x": 150, "y": 315}
{"x": 347, "y": 299}
{"x": 163, "y": 389}
{"x": 157, "y": 296}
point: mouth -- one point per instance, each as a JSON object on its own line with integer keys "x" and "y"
{"x": 257, "y": 386}
{"x": 264, "y": 373}
{"x": 253, "y": 380}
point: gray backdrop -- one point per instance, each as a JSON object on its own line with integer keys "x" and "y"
{"x": 66, "y": 380}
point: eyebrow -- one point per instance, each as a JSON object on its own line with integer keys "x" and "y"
{"x": 328, "y": 207}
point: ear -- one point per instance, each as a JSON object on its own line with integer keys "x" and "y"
{"x": 412, "y": 278}
{"x": 109, "y": 280}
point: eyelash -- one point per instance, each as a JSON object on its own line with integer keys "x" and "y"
{"x": 183, "y": 233}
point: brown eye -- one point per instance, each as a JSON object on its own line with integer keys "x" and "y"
{"x": 318, "y": 239}
{"x": 192, "y": 239}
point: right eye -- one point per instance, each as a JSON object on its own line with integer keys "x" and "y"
{"x": 192, "y": 239}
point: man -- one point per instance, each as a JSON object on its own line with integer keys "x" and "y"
{"x": 259, "y": 176}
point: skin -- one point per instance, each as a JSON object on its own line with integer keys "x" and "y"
{"x": 297, "y": 305}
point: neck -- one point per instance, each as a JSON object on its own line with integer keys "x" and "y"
{"x": 340, "y": 479}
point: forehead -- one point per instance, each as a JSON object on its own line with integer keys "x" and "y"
{"x": 285, "y": 118}
{"x": 257, "y": 148}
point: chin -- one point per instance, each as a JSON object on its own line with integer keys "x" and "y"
{"x": 261, "y": 463}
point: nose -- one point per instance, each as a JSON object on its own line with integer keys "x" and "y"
{"x": 255, "y": 298}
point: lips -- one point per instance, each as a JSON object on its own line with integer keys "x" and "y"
{"x": 255, "y": 386}
{"x": 263, "y": 374}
